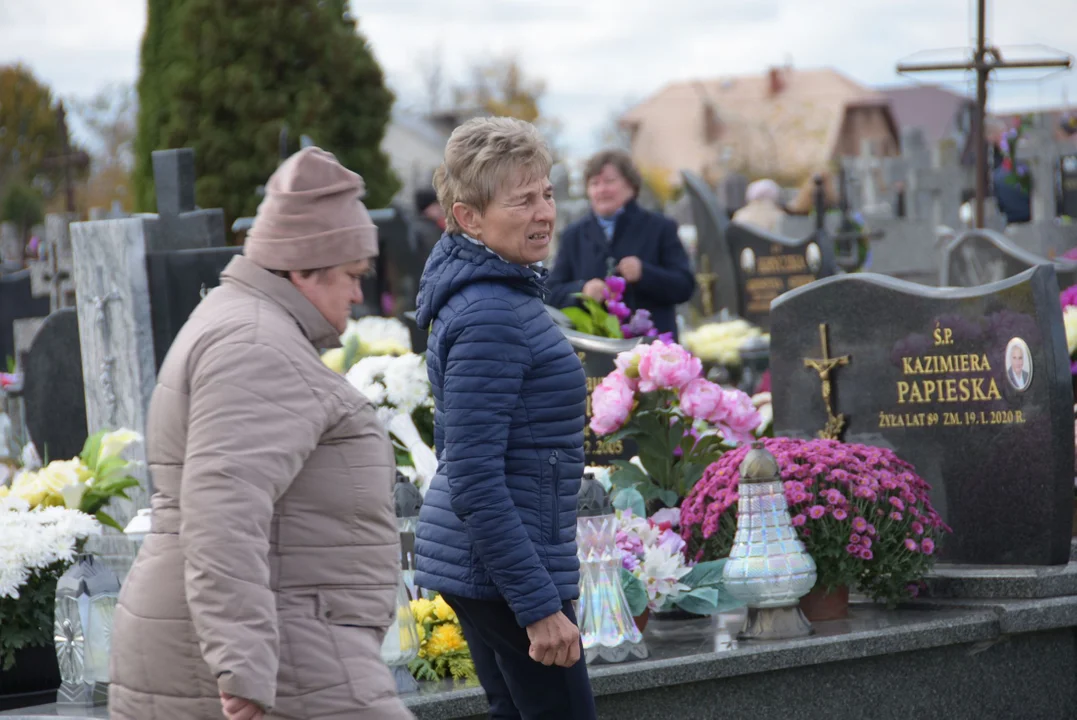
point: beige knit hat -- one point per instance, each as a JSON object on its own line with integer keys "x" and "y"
{"x": 311, "y": 216}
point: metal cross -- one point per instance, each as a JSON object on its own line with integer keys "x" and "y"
{"x": 824, "y": 366}
{"x": 705, "y": 279}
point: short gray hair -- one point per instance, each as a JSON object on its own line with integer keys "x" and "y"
{"x": 481, "y": 156}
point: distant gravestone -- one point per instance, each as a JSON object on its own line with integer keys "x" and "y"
{"x": 732, "y": 192}
{"x": 17, "y": 302}
{"x": 972, "y": 386}
{"x": 51, "y": 273}
{"x": 178, "y": 280}
{"x": 179, "y": 224}
{"x": 716, "y": 287}
{"x": 770, "y": 265}
{"x": 11, "y": 249}
{"x": 597, "y": 355}
{"x": 53, "y": 393}
{"x": 980, "y": 257}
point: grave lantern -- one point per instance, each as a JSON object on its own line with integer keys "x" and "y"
{"x": 768, "y": 569}
{"x": 401, "y": 643}
{"x": 85, "y": 600}
{"x": 607, "y": 628}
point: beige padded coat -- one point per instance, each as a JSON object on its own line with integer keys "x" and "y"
{"x": 272, "y": 566}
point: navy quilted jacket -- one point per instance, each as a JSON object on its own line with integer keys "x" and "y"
{"x": 499, "y": 519}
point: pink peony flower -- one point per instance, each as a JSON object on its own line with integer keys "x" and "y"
{"x": 816, "y": 511}
{"x": 840, "y": 514}
{"x": 611, "y": 403}
{"x": 740, "y": 419}
{"x": 701, "y": 399}
{"x": 860, "y": 525}
{"x": 667, "y": 367}
{"x": 911, "y": 545}
{"x": 927, "y": 545}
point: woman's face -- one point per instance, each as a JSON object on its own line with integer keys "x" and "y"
{"x": 518, "y": 222}
{"x": 608, "y": 191}
{"x": 334, "y": 290}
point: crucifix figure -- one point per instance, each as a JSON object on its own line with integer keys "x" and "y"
{"x": 705, "y": 279}
{"x": 984, "y": 60}
{"x": 108, "y": 361}
{"x": 824, "y": 366}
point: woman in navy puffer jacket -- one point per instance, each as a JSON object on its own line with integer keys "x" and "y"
{"x": 497, "y": 529}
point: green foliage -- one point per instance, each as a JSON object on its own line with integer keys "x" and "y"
{"x": 28, "y": 619}
{"x": 593, "y": 319}
{"x": 224, "y": 78}
{"x": 23, "y": 206}
{"x": 30, "y": 131}
{"x": 635, "y": 593}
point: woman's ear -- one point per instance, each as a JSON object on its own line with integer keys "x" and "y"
{"x": 468, "y": 218}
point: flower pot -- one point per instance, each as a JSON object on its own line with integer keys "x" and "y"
{"x": 641, "y": 619}
{"x": 820, "y": 606}
{"x": 32, "y": 681}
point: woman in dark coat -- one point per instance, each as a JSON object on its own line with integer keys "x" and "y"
{"x": 619, "y": 237}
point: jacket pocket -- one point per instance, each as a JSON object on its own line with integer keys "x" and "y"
{"x": 555, "y": 495}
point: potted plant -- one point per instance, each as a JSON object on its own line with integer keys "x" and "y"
{"x": 680, "y": 422}
{"x": 862, "y": 513}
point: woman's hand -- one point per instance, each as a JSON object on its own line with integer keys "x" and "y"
{"x": 236, "y": 708}
{"x": 630, "y": 268}
{"x": 595, "y": 289}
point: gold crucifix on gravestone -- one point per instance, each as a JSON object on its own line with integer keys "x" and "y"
{"x": 705, "y": 279}
{"x": 824, "y": 366}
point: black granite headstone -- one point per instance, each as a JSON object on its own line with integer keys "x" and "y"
{"x": 980, "y": 257}
{"x": 1068, "y": 201}
{"x": 179, "y": 223}
{"x": 16, "y": 303}
{"x": 972, "y": 386}
{"x": 178, "y": 280}
{"x": 597, "y": 355}
{"x": 715, "y": 284}
{"x": 53, "y": 394}
{"x": 769, "y": 265}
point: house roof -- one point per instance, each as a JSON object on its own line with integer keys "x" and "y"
{"x": 933, "y": 109}
{"x": 793, "y": 132}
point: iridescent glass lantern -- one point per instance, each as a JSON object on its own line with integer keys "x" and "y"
{"x": 607, "y": 629}
{"x": 85, "y": 600}
{"x": 768, "y": 569}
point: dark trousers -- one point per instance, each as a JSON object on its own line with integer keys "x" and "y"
{"x": 517, "y": 687}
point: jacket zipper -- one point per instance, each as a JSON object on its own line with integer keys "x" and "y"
{"x": 556, "y": 497}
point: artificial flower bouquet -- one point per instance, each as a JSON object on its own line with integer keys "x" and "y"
{"x": 862, "y": 513}
{"x": 655, "y": 573}
{"x": 681, "y": 422}
{"x": 443, "y": 652}
{"x": 1016, "y": 172}
{"x": 86, "y": 483}
{"x": 611, "y": 318}
{"x": 368, "y": 337}
{"x": 399, "y": 388}
{"x": 719, "y": 342}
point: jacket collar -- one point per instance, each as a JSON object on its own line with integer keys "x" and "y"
{"x": 244, "y": 274}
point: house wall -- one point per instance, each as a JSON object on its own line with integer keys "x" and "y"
{"x": 413, "y": 158}
{"x": 867, "y": 123}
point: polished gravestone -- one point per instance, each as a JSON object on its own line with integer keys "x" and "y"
{"x": 715, "y": 287}
{"x": 972, "y": 386}
{"x": 767, "y": 266}
{"x": 53, "y": 394}
{"x": 979, "y": 257}
{"x": 17, "y": 302}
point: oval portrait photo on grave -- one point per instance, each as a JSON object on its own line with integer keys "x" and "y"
{"x": 747, "y": 261}
{"x": 1018, "y": 364}
{"x": 814, "y": 256}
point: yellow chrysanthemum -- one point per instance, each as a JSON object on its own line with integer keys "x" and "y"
{"x": 444, "y": 639}
{"x": 422, "y": 609}
{"x": 334, "y": 360}
{"x": 442, "y": 610}
{"x": 382, "y": 346}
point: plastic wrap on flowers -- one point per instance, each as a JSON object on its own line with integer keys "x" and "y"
{"x": 862, "y": 512}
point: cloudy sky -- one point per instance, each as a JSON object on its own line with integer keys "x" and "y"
{"x": 598, "y": 56}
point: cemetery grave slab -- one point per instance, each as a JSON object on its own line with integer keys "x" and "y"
{"x": 971, "y": 386}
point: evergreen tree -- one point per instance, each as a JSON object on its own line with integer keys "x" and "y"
{"x": 225, "y": 77}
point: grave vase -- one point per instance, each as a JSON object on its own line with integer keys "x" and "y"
{"x": 820, "y": 605}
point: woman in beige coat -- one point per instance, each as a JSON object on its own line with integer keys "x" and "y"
{"x": 269, "y": 578}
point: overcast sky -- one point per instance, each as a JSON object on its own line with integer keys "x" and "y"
{"x": 596, "y": 56}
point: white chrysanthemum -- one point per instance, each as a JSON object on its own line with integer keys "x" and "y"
{"x": 406, "y": 383}
{"x": 377, "y": 331}
{"x": 35, "y": 539}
